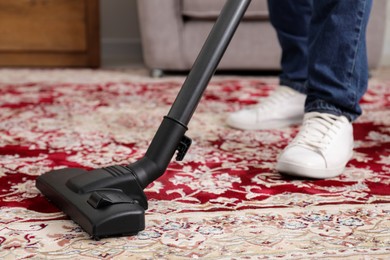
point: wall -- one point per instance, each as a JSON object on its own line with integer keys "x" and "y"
{"x": 120, "y": 37}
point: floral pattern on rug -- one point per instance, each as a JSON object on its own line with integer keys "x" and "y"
{"x": 310, "y": 233}
{"x": 51, "y": 119}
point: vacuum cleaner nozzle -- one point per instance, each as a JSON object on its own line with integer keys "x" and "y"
{"x": 104, "y": 202}
{"x": 110, "y": 201}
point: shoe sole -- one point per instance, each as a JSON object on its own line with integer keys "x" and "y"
{"x": 313, "y": 173}
{"x": 267, "y": 125}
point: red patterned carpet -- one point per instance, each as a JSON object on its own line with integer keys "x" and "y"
{"x": 225, "y": 200}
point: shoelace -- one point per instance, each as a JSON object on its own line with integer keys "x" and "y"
{"x": 317, "y": 131}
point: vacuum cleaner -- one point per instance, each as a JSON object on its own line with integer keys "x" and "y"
{"x": 109, "y": 202}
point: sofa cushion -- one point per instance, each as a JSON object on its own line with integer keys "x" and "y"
{"x": 210, "y": 9}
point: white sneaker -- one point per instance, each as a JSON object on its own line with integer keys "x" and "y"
{"x": 284, "y": 107}
{"x": 322, "y": 148}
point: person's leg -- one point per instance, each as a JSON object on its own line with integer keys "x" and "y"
{"x": 284, "y": 107}
{"x": 338, "y": 76}
{"x": 291, "y": 20}
{"x": 338, "y": 59}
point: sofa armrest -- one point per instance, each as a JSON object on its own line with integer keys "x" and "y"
{"x": 376, "y": 32}
{"x": 161, "y": 24}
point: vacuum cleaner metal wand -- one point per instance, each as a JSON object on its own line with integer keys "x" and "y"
{"x": 207, "y": 61}
{"x": 110, "y": 201}
{"x": 170, "y": 135}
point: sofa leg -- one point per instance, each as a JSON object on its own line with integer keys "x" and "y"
{"x": 156, "y": 73}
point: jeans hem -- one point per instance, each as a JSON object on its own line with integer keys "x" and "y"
{"x": 322, "y": 106}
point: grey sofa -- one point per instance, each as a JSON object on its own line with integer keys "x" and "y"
{"x": 173, "y": 32}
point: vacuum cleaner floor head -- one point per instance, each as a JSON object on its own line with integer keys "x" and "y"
{"x": 92, "y": 200}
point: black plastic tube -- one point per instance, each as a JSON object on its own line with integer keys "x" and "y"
{"x": 207, "y": 61}
{"x": 172, "y": 129}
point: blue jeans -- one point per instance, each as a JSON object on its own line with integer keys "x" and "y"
{"x": 324, "y": 51}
